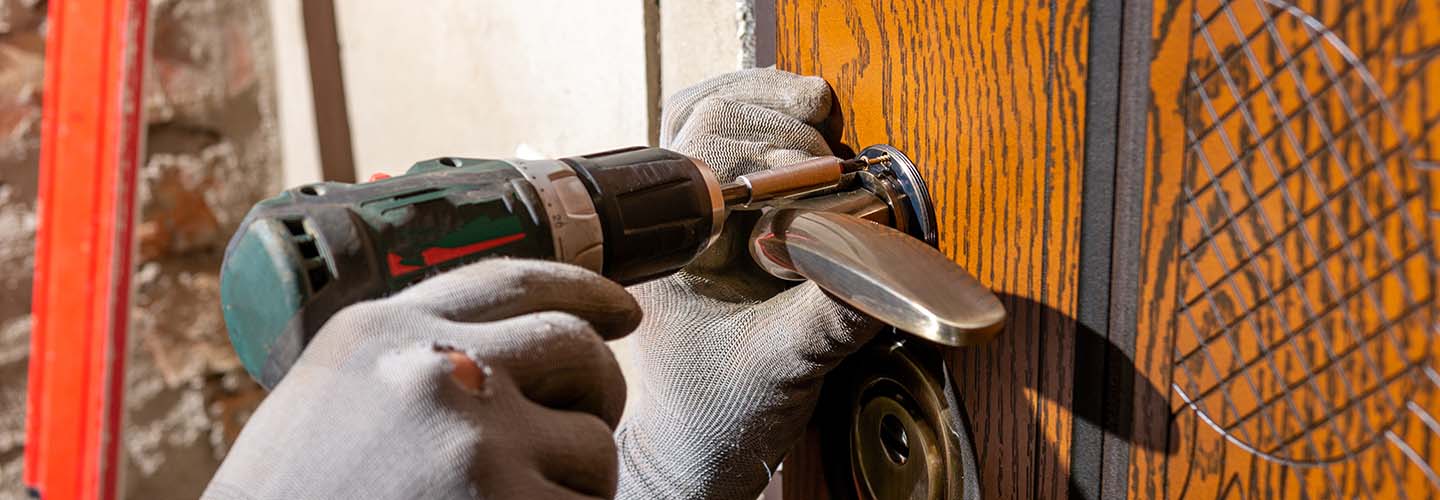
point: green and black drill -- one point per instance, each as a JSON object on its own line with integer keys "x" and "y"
{"x": 630, "y": 214}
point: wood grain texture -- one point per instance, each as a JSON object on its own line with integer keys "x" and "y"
{"x": 1288, "y": 294}
{"x": 987, "y": 97}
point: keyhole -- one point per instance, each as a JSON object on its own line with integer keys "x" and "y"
{"x": 894, "y": 440}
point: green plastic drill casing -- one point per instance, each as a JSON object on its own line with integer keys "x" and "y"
{"x": 301, "y": 256}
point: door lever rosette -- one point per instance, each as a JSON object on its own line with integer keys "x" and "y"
{"x": 890, "y": 423}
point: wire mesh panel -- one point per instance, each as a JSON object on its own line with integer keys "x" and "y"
{"x": 1306, "y": 316}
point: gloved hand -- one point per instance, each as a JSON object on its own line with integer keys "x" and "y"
{"x": 489, "y": 381}
{"x": 727, "y": 364}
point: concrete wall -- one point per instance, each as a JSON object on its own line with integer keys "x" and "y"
{"x": 211, "y": 153}
{"x": 21, "y": 69}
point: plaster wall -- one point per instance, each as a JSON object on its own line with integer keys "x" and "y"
{"x": 484, "y": 78}
{"x": 703, "y": 38}
{"x": 211, "y": 152}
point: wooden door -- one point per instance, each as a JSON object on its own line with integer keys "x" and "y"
{"x": 987, "y": 98}
{"x": 1212, "y": 222}
{"x": 1289, "y": 271}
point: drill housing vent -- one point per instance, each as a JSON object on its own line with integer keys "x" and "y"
{"x": 317, "y": 269}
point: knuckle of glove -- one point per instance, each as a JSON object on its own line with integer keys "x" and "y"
{"x": 564, "y": 364}
{"x": 568, "y": 333}
{"x": 832, "y": 330}
{"x": 737, "y": 138}
{"x": 492, "y": 280}
{"x": 803, "y": 98}
{"x": 543, "y": 282}
{"x": 360, "y": 314}
{"x": 356, "y": 325}
{"x": 522, "y": 274}
{"x": 544, "y": 337}
{"x": 417, "y": 367}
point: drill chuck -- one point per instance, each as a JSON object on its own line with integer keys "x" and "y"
{"x": 660, "y": 209}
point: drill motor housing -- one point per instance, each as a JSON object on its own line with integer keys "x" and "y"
{"x": 298, "y": 258}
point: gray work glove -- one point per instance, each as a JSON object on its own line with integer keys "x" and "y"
{"x": 488, "y": 381}
{"x": 727, "y": 363}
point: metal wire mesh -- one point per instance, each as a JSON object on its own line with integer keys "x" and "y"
{"x": 1307, "y": 304}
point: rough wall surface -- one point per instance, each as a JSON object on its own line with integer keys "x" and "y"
{"x": 22, "y": 48}
{"x": 212, "y": 152}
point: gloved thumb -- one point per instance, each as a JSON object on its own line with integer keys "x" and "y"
{"x": 497, "y": 289}
{"x": 820, "y": 330}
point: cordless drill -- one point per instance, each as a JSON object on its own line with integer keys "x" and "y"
{"x": 631, "y": 214}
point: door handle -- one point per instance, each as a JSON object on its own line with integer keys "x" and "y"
{"x": 891, "y": 424}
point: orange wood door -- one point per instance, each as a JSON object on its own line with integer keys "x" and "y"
{"x": 1287, "y": 286}
{"x": 987, "y": 98}
{"x": 1261, "y": 197}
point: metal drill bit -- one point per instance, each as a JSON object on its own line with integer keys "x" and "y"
{"x": 859, "y": 163}
{"x": 815, "y": 174}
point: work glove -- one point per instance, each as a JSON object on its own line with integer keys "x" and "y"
{"x": 725, "y": 369}
{"x": 489, "y": 381}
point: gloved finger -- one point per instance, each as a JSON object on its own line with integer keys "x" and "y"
{"x": 736, "y": 138}
{"x": 496, "y": 289}
{"x": 556, "y": 359}
{"x": 803, "y": 98}
{"x": 529, "y": 484}
{"x": 575, "y": 450}
{"x": 570, "y": 454}
{"x": 822, "y": 330}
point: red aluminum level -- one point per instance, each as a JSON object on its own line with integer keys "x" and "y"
{"x": 91, "y": 139}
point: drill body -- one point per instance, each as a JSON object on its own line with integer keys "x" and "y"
{"x": 300, "y": 257}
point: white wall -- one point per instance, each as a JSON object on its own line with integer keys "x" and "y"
{"x": 299, "y": 146}
{"x": 480, "y": 77}
{"x": 703, "y": 38}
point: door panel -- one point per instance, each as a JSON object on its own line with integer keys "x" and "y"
{"x": 1277, "y": 338}
{"x": 1287, "y": 293}
{"x": 988, "y": 99}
